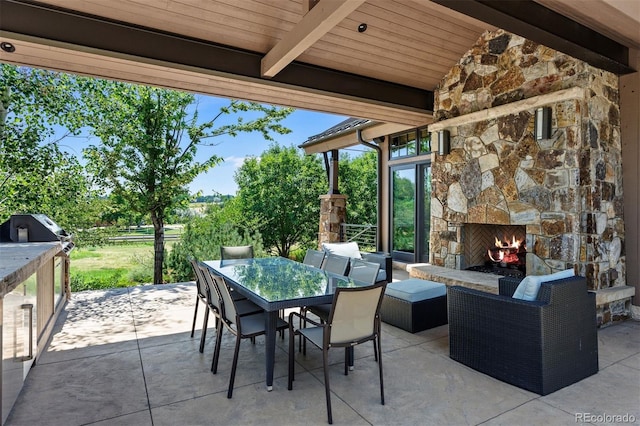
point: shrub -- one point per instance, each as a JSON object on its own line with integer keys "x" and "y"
{"x": 98, "y": 280}
{"x": 141, "y": 274}
{"x": 201, "y": 239}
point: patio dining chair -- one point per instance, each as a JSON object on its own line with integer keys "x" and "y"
{"x": 243, "y": 327}
{"x": 313, "y": 258}
{"x": 201, "y": 294}
{"x": 244, "y": 306}
{"x": 354, "y": 319}
{"x": 335, "y": 264}
{"x": 359, "y": 270}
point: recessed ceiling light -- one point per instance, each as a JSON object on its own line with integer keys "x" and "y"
{"x": 7, "y": 47}
{"x": 362, "y": 28}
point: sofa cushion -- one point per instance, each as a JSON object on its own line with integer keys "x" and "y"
{"x": 382, "y": 275}
{"x": 343, "y": 249}
{"x": 530, "y": 285}
{"x": 414, "y": 290}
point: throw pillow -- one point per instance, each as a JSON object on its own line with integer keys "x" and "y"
{"x": 530, "y": 285}
{"x": 343, "y": 249}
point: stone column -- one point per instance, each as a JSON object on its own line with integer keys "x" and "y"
{"x": 333, "y": 212}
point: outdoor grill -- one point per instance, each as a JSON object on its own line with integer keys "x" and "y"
{"x": 26, "y": 228}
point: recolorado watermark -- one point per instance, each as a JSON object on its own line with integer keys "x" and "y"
{"x": 605, "y": 418}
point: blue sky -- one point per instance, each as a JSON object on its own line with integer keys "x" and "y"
{"x": 234, "y": 150}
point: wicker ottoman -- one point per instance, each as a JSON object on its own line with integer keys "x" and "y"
{"x": 414, "y": 305}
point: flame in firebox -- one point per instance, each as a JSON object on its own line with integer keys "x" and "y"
{"x": 514, "y": 243}
{"x": 508, "y": 251}
{"x": 500, "y": 256}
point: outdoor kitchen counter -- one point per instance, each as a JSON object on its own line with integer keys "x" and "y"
{"x": 18, "y": 261}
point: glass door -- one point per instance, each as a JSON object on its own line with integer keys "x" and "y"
{"x": 411, "y": 212}
{"x": 403, "y": 184}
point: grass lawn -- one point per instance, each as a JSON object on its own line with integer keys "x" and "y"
{"x": 121, "y": 265}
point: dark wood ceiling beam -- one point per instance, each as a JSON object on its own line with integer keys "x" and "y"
{"x": 537, "y": 23}
{"x": 45, "y": 22}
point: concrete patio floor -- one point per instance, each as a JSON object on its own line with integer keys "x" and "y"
{"x": 125, "y": 357}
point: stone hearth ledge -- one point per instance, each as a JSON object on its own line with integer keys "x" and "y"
{"x": 448, "y": 276}
{"x": 489, "y": 282}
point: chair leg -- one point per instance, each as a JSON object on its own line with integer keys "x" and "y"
{"x": 291, "y": 359}
{"x": 195, "y": 314}
{"x": 204, "y": 329}
{"x": 380, "y": 369}
{"x": 302, "y": 312}
{"x": 216, "y": 350}
{"x": 233, "y": 367}
{"x": 325, "y": 366}
{"x": 346, "y": 361}
{"x": 375, "y": 350}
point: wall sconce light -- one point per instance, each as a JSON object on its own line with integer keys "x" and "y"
{"x": 542, "y": 123}
{"x": 443, "y": 142}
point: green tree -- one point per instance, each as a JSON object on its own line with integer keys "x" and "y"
{"x": 149, "y": 141}
{"x": 202, "y": 238}
{"x": 36, "y": 176}
{"x": 278, "y": 196}
{"x": 358, "y": 181}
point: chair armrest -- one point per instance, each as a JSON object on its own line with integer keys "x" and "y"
{"x": 507, "y": 285}
{"x": 306, "y": 319}
{"x": 382, "y": 259}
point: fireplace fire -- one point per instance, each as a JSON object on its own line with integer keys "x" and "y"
{"x": 496, "y": 249}
{"x": 507, "y": 253}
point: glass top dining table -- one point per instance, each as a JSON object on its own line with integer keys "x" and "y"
{"x": 276, "y": 283}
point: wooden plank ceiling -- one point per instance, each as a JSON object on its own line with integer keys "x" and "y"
{"x": 408, "y": 46}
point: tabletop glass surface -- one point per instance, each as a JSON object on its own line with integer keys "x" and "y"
{"x": 277, "y": 278}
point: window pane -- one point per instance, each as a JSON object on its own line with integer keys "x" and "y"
{"x": 411, "y": 144}
{"x": 425, "y": 141}
{"x": 403, "y": 145}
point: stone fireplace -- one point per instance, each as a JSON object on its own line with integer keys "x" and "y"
{"x": 564, "y": 193}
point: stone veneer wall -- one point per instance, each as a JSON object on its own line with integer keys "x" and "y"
{"x": 567, "y": 190}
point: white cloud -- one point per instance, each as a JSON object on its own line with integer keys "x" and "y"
{"x": 234, "y": 161}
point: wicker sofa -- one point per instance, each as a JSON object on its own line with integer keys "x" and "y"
{"x": 541, "y": 345}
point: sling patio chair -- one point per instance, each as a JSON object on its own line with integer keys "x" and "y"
{"x": 314, "y": 258}
{"x": 244, "y": 306}
{"x": 243, "y": 327}
{"x": 354, "y": 319}
{"x": 201, "y": 295}
{"x": 336, "y": 264}
{"x": 359, "y": 270}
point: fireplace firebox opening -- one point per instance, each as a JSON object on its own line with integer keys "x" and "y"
{"x": 496, "y": 249}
